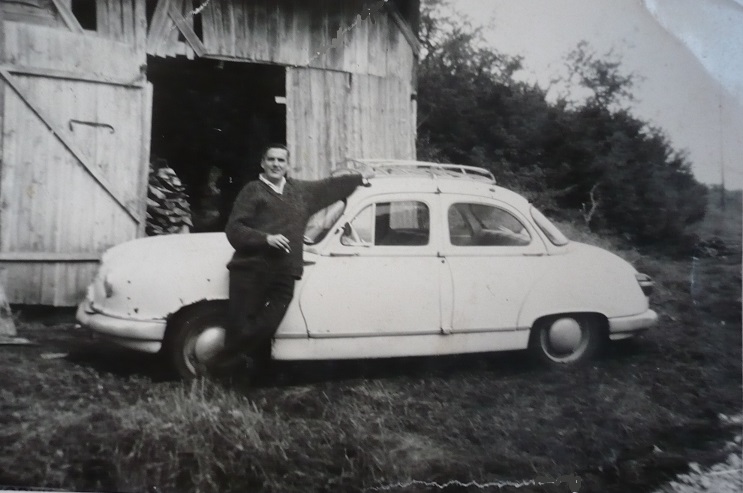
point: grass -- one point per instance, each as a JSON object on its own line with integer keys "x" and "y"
{"x": 104, "y": 419}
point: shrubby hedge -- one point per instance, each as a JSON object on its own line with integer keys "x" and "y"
{"x": 590, "y": 160}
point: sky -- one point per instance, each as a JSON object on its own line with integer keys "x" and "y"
{"x": 687, "y": 56}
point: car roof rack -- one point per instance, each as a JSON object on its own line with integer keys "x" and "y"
{"x": 397, "y": 167}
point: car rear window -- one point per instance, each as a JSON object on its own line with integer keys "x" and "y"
{"x": 549, "y": 229}
{"x": 484, "y": 225}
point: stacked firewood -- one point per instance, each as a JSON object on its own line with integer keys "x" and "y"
{"x": 168, "y": 210}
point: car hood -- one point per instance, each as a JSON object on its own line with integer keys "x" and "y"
{"x": 151, "y": 278}
{"x": 175, "y": 248}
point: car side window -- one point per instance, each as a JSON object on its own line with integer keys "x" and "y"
{"x": 485, "y": 225}
{"x": 403, "y": 223}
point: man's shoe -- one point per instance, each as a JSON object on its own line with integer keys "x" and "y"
{"x": 227, "y": 364}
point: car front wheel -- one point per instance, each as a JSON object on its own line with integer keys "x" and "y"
{"x": 195, "y": 336}
{"x": 567, "y": 340}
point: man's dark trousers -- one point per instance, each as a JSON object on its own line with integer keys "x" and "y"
{"x": 259, "y": 298}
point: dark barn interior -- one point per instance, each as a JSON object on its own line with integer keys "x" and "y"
{"x": 210, "y": 121}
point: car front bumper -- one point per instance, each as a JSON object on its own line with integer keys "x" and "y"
{"x": 139, "y": 335}
{"x": 623, "y": 327}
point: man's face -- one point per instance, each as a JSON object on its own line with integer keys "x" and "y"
{"x": 275, "y": 164}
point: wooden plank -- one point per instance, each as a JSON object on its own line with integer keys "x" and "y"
{"x": 316, "y": 49}
{"x": 218, "y": 12}
{"x": 32, "y": 46}
{"x": 187, "y": 31}
{"x": 140, "y": 25}
{"x": 23, "y": 283}
{"x": 274, "y": 28}
{"x": 208, "y": 28}
{"x": 50, "y": 256}
{"x": 68, "y": 17}
{"x": 291, "y": 92}
{"x": 64, "y": 74}
{"x": 69, "y": 145}
{"x": 103, "y": 18}
{"x": 146, "y": 134}
{"x": 8, "y": 159}
{"x": 172, "y": 46}
{"x": 239, "y": 45}
{"x": 334, "y": 39}
{"x": 361, "y": 42}
{"x": 47, "y": 283}
{"x": 158, "y": 26}
{"x": 231, "y": 27}
{"x": 284, "y": 13}
{"x": 259, "y": 35}
{"x": 31, "y": 13}
{"x": 225, "y": 28}
{"x": 2, "y": 116}
{"x": 404, "y": 27}
{"x": 127, "y": 21}
{"x": 377, "y": 55}
{"x": 303, "y": 37}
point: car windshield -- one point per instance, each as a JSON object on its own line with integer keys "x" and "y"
{"x": 321, "y": 222}
{"x": 549, "y": 229}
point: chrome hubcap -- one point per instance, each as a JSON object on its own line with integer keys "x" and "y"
{"x": 564, "y": 340}
{"x": 204, "y": 346}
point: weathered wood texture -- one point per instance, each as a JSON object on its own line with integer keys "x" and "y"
{"x": 56, "y": 216}
{"x": 43, "y": 48}
{"x": 122, "y": 20}
{"x": 118, "y": 20}
{"x": 41, "y": 12}
{"x": 330, "y": 34}
{"x": 334, "y": 115}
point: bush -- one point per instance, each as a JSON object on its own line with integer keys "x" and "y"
{"x": 591, "y": 159}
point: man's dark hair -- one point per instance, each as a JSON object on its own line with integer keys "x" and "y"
{"x": 274, "y": 146}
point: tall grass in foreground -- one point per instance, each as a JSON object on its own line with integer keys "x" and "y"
{"x": 203, "y": 437}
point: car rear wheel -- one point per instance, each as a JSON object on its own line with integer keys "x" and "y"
{"x": 567, "y": 340}
{"x": 194, "y": 337}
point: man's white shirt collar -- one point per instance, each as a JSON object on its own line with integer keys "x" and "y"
{"x": 276, "y": 188}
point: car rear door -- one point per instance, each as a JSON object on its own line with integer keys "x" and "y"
{"x": 495, "y": 256}
{"x": 382, "y": 276}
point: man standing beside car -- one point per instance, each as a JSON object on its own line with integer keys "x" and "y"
{"x": 266, "y": 228}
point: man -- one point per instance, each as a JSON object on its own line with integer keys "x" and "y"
{"x": 266, "y": 228}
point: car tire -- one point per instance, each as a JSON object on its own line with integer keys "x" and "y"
{"x": 569, "y": 340}
{"x": 194, "y": 335}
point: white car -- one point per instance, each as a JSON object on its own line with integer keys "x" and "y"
{"x": 430, "y": 259}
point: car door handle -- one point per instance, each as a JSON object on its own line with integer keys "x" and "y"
{"x": 344, "y": 254}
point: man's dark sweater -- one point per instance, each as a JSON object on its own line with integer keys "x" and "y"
{"x": 259, "y": 211}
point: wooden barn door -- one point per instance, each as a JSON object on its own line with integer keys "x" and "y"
{"x": 332, "y": 116}
{"x": 75, "y": 152}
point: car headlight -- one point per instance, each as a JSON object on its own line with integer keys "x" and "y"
{"x": 645, "y": 282}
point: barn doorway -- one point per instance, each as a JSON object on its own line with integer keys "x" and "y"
{"x": 210, "y": 121}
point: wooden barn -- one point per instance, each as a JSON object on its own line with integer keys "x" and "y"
{"x": 93, "y": 91}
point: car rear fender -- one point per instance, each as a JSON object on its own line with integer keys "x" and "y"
{"x": 585, "y": 280}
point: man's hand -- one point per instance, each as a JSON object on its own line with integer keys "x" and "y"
{"x": 278, "y": 241}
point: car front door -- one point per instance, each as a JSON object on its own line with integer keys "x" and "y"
{"x": 495, "y": 257}
{"x": 381, "y": 275}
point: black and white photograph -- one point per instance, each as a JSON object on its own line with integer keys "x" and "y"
{"x": 455, "y": 246}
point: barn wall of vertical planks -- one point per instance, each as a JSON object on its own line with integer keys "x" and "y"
{"x": 76, "y": 109}
{"x": 75, "y": 105}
